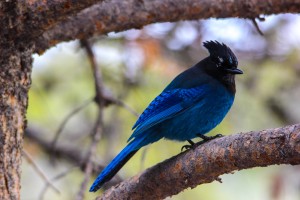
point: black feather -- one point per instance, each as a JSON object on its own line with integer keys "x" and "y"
{"x": 221, "y": 54}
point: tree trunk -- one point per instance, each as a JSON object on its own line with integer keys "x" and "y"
{"x": 15, "y": 82}
{"x": 15, "y": 70}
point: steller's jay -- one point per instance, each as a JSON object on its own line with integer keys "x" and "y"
{"x": 194, "y": 103}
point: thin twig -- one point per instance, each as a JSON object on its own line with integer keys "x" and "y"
{"x": 57, "y": 177}
{"x": 89, "y": 164}
{"x": 257, "y": 27}
{"x": 67, "y": 118}
{"x": 128, "y": 108}
{"x": 101, "y": 95}
{"x": 71, "y": 154}
{"x": 99, "y": 126}
{"x": 95, "y": 68}
{"x": 30, "y": 160}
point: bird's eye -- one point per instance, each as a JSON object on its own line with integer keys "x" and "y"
{"x": 230, "y": 60}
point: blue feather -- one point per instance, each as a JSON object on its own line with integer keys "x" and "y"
{"x": 162, "y": 102}
{"x": 167, "y": 105}
{"x": 117, "y": 163}
{"x": 120, "y": 160}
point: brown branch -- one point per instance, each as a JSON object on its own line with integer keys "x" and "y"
{"x": 88, "y": 170}
{"x": 73, "y": 155}
{"x": 99, "y": 126}
{"x": 37, "y": 136}
{"x": 257, "y": 27}
{"x": 207, "y": 162}
{"x": 67, "y": 118}
{"x": 40, "y": 15}
{"x": 123, "y": 15}
{"x": 96, "y": 72}
{"x": 59, "y": 176}
{"x": 102, "y": 94}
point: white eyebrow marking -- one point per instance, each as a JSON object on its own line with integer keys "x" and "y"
{"x": 220, "y": 59}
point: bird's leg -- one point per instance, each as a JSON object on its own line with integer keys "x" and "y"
{"x": 188, "y": 146}
{"x": 207, "y": 138}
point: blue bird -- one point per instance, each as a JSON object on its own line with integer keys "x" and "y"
{"x": 194, "y": 103}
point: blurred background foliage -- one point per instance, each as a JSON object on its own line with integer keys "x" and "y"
{"x": 136, "y": 66}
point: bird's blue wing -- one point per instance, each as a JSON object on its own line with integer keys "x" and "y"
{"x": 167, "y": 105}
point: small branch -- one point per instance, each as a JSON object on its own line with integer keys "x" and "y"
{"x": 118, "y": 16}
{"x": 95, "y": 68}
{"x": 207, "y": 162}
{"x": 125, "y": 106}
{"x": 108, "y": 100}
{"x": 91, "y": 152}
{"x": 30, "y": 160}
{"x": 73, "y": 155}
{"x": 101, "y": 93}
{"x": 257, "y": 27}
{"x": 67, "y": 118}
{"x": 59, "y": 176}
{"x": 99, "y": 126}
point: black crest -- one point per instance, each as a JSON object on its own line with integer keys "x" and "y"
{"x": 221, "y": 54}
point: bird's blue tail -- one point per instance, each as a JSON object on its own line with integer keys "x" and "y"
{"x": 117, "y": 163}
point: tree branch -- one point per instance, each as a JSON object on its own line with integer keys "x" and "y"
{"x": 73, "y": 155}
{"x": 118, "y": 15}
{"x": 40, "y": 15}
{"x": 207, "y": 162}
{"x": 99, "y": 125}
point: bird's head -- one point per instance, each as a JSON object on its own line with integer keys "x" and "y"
{"x": 222, "y": 64}
{"x": 223, "y": 58}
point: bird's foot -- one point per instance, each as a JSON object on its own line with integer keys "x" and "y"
{"x": 204, "y": 138}
{"x": 188, "y": 146}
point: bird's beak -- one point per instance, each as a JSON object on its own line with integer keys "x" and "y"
{"x": 234, "y": 71}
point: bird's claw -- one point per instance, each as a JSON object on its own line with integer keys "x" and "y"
{"x": 204, "y": 138}
{"x": 217, "y": 136}
{"x": 186, "y": 147}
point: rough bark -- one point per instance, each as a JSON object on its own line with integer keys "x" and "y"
{"x": 40, "y": 15}
{"x": 207, "y": 162}
{"x": 15, "y": 82}
{"x": 116, "y": 15}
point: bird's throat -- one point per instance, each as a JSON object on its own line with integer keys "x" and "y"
{"x": 229, "y": 82}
